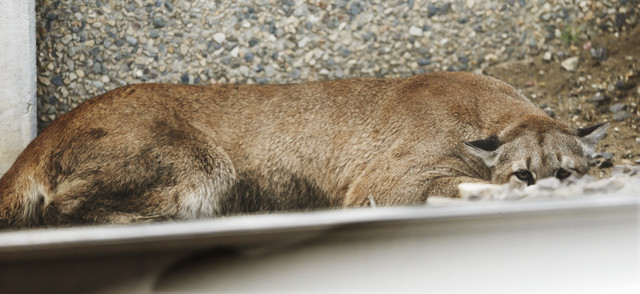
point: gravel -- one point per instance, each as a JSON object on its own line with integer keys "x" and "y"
{"x": 624, "y": 180}
{"x": 88, "y": 47}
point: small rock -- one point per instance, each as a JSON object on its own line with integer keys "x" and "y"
{"x": 432, "y": 10}
{"x": 619, "y": 84}
{"x": 269, "y": 71}
{"x": 57, "y": 80}
{"x": 47, "y": 108}
{"x": 600, "y": 99}
{"x": 243, "y": 70}
{"x": 570, "y": 64}
{"x": 45, "y": 81}
{"x": 141, "y": 60}
{"x": 248, "y": 57}
{"x": 72, "y": 51}
{"x": 295, "y": 74}
{"x": 621, "y": 115}
{"x": 547, "y": 56}
{"x": 301, "y": 11}
{"x": 184, "y": 49}
{"x": 423, "y": 61}
{"x": 368, "y": 36}
{"x": 600, "y": 53}
{"x": 64, "y": 92}
{"x": 51, "y": 16}
{"x": 95, "y": 51}
{"x": 131, "y": 40}
{"x": 491, "y": 57}
{"x": 617, "y": 107}
{"x": 415, "y": 31}
{"x": 66, "y": 39}
{"x": 444, "y": 9}
{"x": 159, "y": 22}
{"x": 169, "y": 6}
{"x": 219, "y": 37}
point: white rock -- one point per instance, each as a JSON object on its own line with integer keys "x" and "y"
{"x": 470, "y": 3}
{"x": 570, "y": 64}
{"x": 244, "y": 70}
{"x": 219, "y": 37}
{"x": 547, "y": 56}
{"x": 482, "y": 191}
{"x": 184, "y": 49}
{"x": 491, "y": 57}
{"x": 415, "y": 31}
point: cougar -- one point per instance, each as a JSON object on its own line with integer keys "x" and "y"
{"x": 151, "y": 152}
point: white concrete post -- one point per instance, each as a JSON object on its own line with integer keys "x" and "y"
{"x": 18, "y": 125}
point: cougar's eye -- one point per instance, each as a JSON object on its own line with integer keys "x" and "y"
{"x": 525, "y": 176}
{"x": 562, "y": 174}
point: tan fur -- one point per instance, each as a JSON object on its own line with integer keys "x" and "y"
{"x": 151, "y": 151}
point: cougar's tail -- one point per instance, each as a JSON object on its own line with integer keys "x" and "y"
{"x": 20, "y": 200}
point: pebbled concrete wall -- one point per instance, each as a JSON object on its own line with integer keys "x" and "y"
{"x": 17, "y": 79}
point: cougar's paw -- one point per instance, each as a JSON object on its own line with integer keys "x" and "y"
{"x": 154, "y": 219}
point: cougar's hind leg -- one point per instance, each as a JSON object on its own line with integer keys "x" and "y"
{"x": 172, "y": 173}
{"x": 177, "y": 185}
{"x": 80, "y": 212}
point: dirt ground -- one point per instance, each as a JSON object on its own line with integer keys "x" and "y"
{"x": 572, "y": 96}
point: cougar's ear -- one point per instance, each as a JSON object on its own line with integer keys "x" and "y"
{"x": 590, "y": 136}
{"x": 486, "y": 149}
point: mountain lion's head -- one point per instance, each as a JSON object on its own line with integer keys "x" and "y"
{"x": 537, "y": 147}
